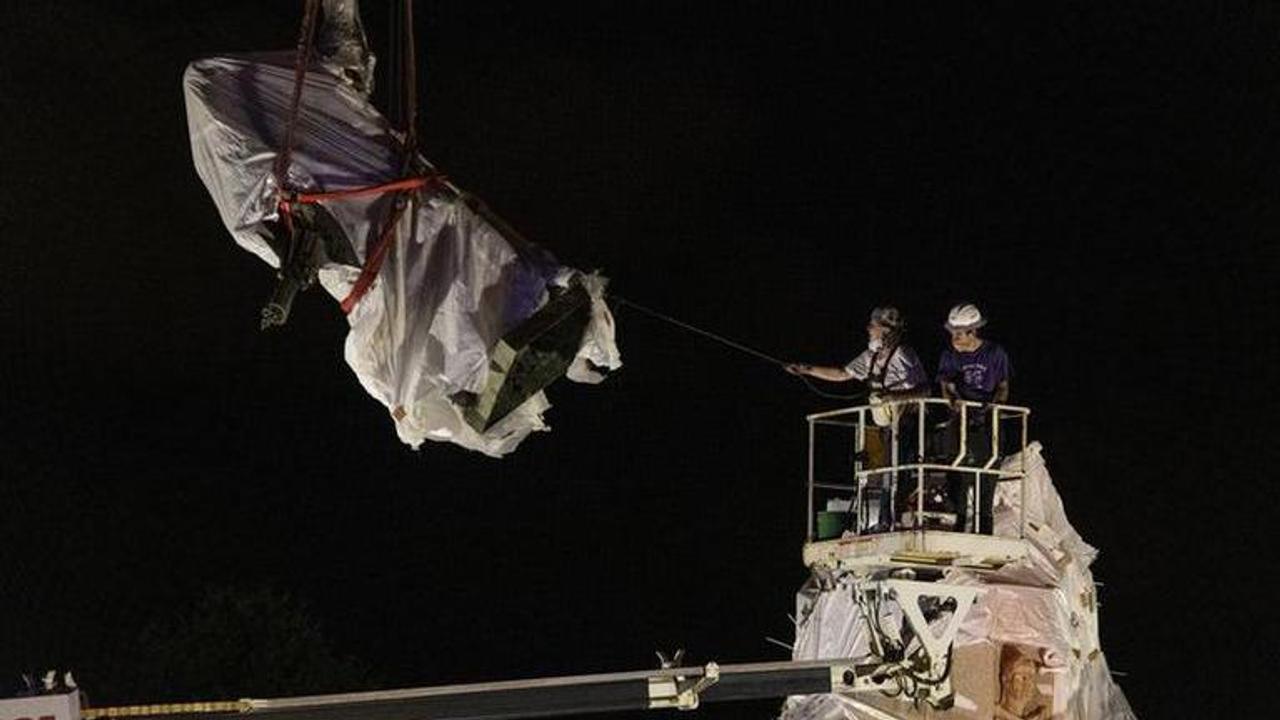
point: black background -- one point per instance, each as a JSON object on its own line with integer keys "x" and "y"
{"x": 1100, "y": 178}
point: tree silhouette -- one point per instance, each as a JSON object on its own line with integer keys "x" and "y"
{"x": 234, "y": 643}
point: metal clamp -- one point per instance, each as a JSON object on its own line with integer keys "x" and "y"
{"x": 680, "y": 691}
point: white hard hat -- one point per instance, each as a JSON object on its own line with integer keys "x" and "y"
{"x": 965, "y": 317}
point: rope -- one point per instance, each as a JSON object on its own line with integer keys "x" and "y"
{"x": 305, "y": 35}
{"x": 281, "y": 168}
{"x": 410, "y": 89}
{"x": 394, "y": 38}
{"x": 830, "y": 395}
{"x": 705, "y": 333}
{"x": 733, "y": 344}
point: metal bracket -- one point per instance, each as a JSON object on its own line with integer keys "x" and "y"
{"x": 923, "y": 674}
{"x": 681, "y": 691}
{"x": 908, "y": 594}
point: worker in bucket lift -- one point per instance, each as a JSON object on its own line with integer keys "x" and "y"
{"x": 975, "y": 369}
{"x": 892, "y": 371}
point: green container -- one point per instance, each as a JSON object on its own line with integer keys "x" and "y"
{"x": 831, "y": 523}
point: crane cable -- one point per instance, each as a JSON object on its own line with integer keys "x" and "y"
{"x": 732, "y": 344}
{"x": 409, "y": 58}
{"x": 305, "y": 36}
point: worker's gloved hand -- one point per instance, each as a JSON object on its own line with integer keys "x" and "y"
{"x": 796, "y": 368}
{"x": 949, "y": 392}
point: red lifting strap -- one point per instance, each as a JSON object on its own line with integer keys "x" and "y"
{"x": 406, "y": 184}
{"x": 373, "y": 261}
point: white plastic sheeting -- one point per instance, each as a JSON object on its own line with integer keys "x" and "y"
{"x": 1044, "y": 505}
{"x": 451, "y": 285}
{"x": 1043, "y": 606}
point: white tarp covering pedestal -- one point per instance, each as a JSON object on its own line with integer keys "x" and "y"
{"x": 450, "y": 286}
{"x": 1040, "y": 613}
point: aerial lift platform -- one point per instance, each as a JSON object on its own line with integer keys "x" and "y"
{"x": 908, "y": 588}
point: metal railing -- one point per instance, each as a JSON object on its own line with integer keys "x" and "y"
{"x": 948, "y": 427}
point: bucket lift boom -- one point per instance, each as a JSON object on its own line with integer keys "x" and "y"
{"x": 913, "y": 661}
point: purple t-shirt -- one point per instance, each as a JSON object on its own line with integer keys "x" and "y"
{"x": 975, "y": 374}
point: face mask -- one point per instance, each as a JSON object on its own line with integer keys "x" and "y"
{"x": 875, "y": 344}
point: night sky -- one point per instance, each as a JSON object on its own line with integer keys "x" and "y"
{"x": 1100, "y": 177}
